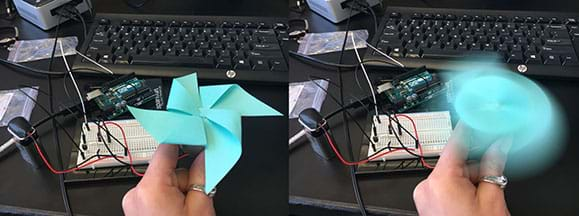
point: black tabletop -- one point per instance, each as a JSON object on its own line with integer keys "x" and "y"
{"x": 317, "y": 184}
{"x": 257, "y": 185}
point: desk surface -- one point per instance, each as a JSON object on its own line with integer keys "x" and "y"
{"x": 255, "y": 186}
{"x": 328, "y": 184}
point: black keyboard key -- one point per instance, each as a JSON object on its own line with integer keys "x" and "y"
{"x": 441, "y": 54}
{"x": 557, "y": 50}
{"x": 173, "y": 61}
{"x": 106, "y": 59}
{"x": 542, "y": 20}
{"x": 266, "y": 47}
{"x": 558, "y": 42}
{"x": 570, "y": 60}
{"x": 242, "y": 64}
{"x": 224, "y": 63}
{"x": 551, "y": 59}
{"x": 397, "y": 52}
{"x": 260, "y": 64}
{"x": 159, "y": 23}
{"x": 264, "y": 54}
{"x": 104, "y": 21}
{"x": 395, "y": 15}
{"x": 515, "y": 57}
{"x": 413, "y": 53}
{"x": 533, "y": 59}
{"x": 278, "y": 65}
{"x": 122, "y": 59}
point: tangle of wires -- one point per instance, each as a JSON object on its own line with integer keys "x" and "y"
{"x": 346, "y": 115}
{"x": 364, "y": 7}
{"x": 378, "y": 153}
{"x": 104, "y": 136}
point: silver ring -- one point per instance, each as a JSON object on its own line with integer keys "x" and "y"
{"x": 201, "y": 188}
{"x": 501, "y": 181}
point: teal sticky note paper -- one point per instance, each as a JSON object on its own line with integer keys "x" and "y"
{"x": 224, "y": 148}
{"x": 184, "y": 95}
{"x": 207, "y": 116}
{"x": 162, "y": 125}
{"x": 236, "y": 98}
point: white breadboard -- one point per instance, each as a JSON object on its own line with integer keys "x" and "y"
{"x": 434, "y": 129}
{"x": 141, "y": 144}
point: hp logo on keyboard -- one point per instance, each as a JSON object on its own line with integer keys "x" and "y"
{"x": 522, "y": 68}
{"x": 230, "y": 74}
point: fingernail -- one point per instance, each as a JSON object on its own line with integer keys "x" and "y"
{"x": 505, "y": 144}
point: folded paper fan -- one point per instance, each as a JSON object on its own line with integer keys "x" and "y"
{"x": 208, "y": 116}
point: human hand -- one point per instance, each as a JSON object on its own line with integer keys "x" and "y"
{"x": 164, "y": 190}
{"x": 453, "y": 187}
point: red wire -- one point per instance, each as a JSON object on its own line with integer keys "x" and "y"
{"x": 68, "y": 170}
{"x": 419, "y": 145}
{"x": 128, "y": 149}
{"x": 347, "y": 163}
{"x": 85, "y": 164}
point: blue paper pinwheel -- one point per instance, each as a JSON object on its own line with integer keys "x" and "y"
{"x": 207, "y": 116}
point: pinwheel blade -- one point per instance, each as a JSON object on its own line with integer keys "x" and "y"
{"x": 171, "y": 128}
{"x": 235, "y": 98}
{"x": 223, "y": 150}
{"x": 184, "y": 95}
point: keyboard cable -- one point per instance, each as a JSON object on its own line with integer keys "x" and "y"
{"x": 56, "y": 138}
{"x": 355, "y": 185}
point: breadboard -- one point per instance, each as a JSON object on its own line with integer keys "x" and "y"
{"x": 141, "y": 144}
{"x": 434, "y": 129}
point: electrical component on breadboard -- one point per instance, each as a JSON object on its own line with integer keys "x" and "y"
{"x": 433, "y": 128}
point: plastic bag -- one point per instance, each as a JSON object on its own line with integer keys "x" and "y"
{"x": 32, "y": 50}
{"x": 14, "y": 103}
{"x": 303, "y": 95}
{"x": 319, "y": 43}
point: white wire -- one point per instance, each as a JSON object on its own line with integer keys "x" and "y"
{"x": 73, "y": 82}
{"x": 384, "y": 54}
{"x": 94, "y": 62}
{"x": 366, "y": 74}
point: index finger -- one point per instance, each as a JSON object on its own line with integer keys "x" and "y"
{"x": 453, "y": 158}
{"x": 163, "y": 163}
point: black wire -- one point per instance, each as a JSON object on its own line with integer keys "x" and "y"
{"x": 81, "y": 70}
{"x": 29, "y": 69}
{"x": 136, "y": 5}
{"x": 347, "y": 112}
{"x": 107, "y": 146}
{"x": 374, "y": 18}
{"x": 106, "y": 129}
{"x": 84, "y": 26}
{"x": 319, "y": 61}
{"x": 300, "y": 56}
{"x": 63, "y": 189}
{"x": 355, "y": 185}
{"x": 349, "y": 115}
{"x": 33, "y": 87}
{"x": 82, "y": 162}
{"x": 51, "y": 116}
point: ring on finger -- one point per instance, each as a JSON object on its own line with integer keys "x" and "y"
{"x": 201, "y": 188}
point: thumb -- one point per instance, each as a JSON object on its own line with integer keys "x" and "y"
{"x": 493, "y": 164}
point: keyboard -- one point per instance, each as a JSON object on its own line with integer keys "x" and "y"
{"x": 217, "y": 48}
{"x": 541, "y": 44}
{"x": 434, "y": 129}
